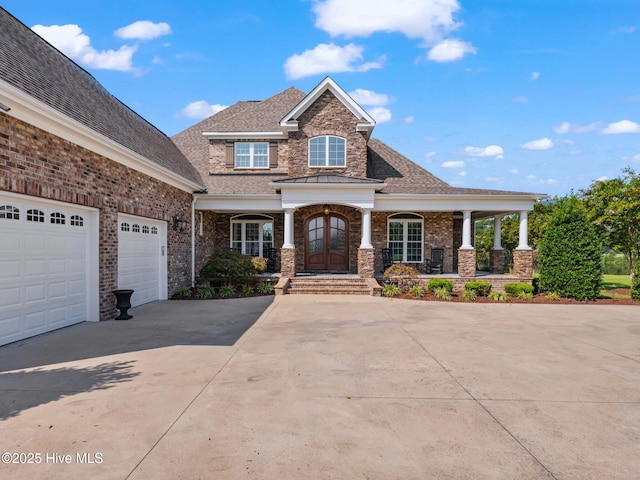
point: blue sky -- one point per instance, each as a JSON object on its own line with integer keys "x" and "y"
{"x": 527, "y": 95}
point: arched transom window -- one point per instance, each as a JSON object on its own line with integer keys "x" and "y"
{"x": 327, "y": 151}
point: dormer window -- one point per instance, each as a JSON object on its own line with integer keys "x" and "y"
{"x": 251, "y": 155}
{"x": 327, "y": 151}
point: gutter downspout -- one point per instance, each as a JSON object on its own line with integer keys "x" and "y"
{"x": 193, "y": 242}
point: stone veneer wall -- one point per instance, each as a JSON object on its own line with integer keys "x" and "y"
{"x": 366, "y": 262}
{"x": 35, "y": 162}
{"x": 327, "y": 116}
{"x": 467, "y": 263}
{"x": 523, "y": 263}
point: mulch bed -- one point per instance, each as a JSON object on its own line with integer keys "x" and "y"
{"x": 537, "y": 299}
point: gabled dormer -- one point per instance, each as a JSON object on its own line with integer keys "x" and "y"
{"x": 328, "y": 132}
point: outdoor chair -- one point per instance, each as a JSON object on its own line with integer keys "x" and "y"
{"x": 271, "y": 254}
{"x": 387, "y": 259}
{"x": 434, "y": 264}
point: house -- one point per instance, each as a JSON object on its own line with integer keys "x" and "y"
{"x": 94, "y": 198}
{"x": 302, "y": 173}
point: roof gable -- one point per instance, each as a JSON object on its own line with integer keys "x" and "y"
{"x": 366, "y": 123}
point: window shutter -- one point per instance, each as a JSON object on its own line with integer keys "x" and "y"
{"x": 229, "y": 154}
{"x": 273, "y": 155}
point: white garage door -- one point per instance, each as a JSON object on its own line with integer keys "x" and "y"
{"x": 48, "y": 266}
{"x": 142, "y": 260}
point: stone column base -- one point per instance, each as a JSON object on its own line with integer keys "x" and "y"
{"x": 496, "y": 261}
{"x": 523, "y": 264}
{"x": 366, "y": 260}
{"x": 288, "y": 262}
{"x": 466, "y": 262}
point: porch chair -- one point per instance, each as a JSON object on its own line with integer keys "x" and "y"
{"x": 271, "y": 254}
{"x": 434, "y": 264}
{"x": 387, "y": 259}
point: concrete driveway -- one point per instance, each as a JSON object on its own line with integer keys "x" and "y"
{"x": 319, "y": 387}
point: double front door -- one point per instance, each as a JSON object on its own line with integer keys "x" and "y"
{"x": 327, "y": 243}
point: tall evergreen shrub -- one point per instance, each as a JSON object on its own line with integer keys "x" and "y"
{"x": 570, "y": 253}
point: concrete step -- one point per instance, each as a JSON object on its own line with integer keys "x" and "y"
{"x": 324, "y": 285}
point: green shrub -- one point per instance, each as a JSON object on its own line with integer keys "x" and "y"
{"x": 205, "y": 292}
{"x": 390, "y": 290}
{"x": 514, "y": 289}
{"x": 417, "y": 291}
{"x": 184, "y": 292}
{"x": 442, "y": 293}
{"x": 498, "y": 296}
{"x": 481, "y": 288}
{"x": 436, "y": 283}
{"x": 228, "y": 268}
{"x": 552, "y": 296}
{"x": 265, "y": 288}
{"x": 571, "y": 253}
{"x": 227, "y": 290}
{"x": 525, "y": 295}
{"x": 469, "y": 295}
{"x": 635, "y": 282}
{"x": 247, "y": 289}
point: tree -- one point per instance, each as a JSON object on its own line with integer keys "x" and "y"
{"x": 571, "y": 253}
{"x": 614, "y": 207}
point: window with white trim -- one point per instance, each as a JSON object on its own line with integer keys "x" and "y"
{"x": 58, "y": 218}
{"x": 77, "y": 221}
{"x": 251, "y": 234}
{"x": 9, "y": 212}
{"x": 327, "y": 151}
{"x": 405, "y": 237}
{"x": 251, "y": 155}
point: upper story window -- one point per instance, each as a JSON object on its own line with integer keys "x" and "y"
{"x": 327, "y": 151}
{"x": 251, "y": 155}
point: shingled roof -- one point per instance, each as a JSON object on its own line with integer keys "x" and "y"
{"x": 32, "y": 65}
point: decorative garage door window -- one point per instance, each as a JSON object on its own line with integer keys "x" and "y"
{"x": 9, "y": 212}
{"x": 34, "y": 215}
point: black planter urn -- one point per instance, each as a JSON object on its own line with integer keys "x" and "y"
{"x": 123, "y": 298}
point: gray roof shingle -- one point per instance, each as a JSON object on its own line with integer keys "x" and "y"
{"x": 35, "y": 67}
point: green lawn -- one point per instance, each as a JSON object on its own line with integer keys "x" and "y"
{"x": 615, "y": 281}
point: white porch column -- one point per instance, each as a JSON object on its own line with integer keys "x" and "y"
{"x": 365, "y": 241}
{"x": 524, "y": 231}
{"x": 497, "y": 234}
{"x": 288, "y": 228}
{"x": 466, "y": 231}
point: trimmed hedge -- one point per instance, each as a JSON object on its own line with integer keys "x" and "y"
{"x": 436, "y": 283}
{"x": 516, "y": 288}
{"x": 228, "y": 268}
{"x": 481, "y": 288}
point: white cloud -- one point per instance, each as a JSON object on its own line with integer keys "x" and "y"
{"x": 433, "y": 154}
{"x": 430, "y": 20}
{"x": 380, "y": 114}
{"x": 636, "y": 158}
{"x": 450, "y": 50}
{"x": 492, "y": 179}
{"x": 408, "y": 120}
{"x": 520, "y": 99}
{"x": 143, "y": 30}
{"x": 542, "y": 144}
{"x": 490, "y": 151}
{"x": 535, "y": 76}
{"x": 623, "y": 30}
{"x": 453, "y": 164}
{"x": 201, "y": 109}
{"x": 623, "y": 126}
{"x": 368, "y": 97}
{"x": 70, "y": 40}
{"x": 514, "y": 171}
{"x": 602, "y": 179}
{"x": 462, "y": 174}
{"x": 566, "y": 127}
{"x": 327, "y": 58}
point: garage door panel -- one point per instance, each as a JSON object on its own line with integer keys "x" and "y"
{"x": 45, "y": 268}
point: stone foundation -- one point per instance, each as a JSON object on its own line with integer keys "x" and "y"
{"x": 288, "y": 262}
{"x": 496, "y": 261}
{"x": 366, "y": 260}
{"x": 466, "y": 262}
{"x": 523, "y": 263}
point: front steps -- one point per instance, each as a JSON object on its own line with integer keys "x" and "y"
{"x": 331, "y": 285}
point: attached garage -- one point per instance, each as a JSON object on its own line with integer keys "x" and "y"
{"x": 142, "y": 258}
{"x": 48, "y": 266}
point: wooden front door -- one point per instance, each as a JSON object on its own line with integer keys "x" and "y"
{"x": 327, "y": 243}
